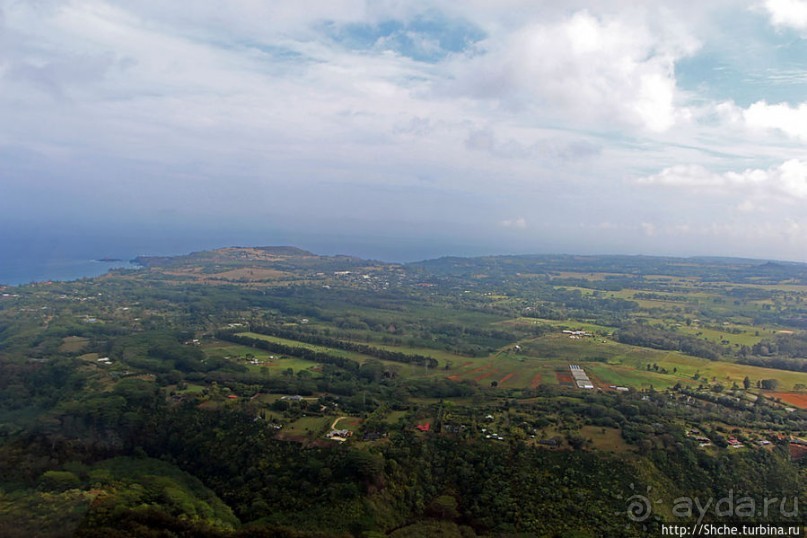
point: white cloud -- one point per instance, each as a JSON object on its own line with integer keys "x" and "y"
{"x": 271, "y": 102}
{"x": 788, "y": 179}
{"x": 518, "y": 223}
{"x": 589, "y": 68}
{"x": 747, "y": 206}
{"x": 787, "y": 13}
{"x": 762, "y": 120}
{"x": 790, "y": 120}
{"x": 544, "y": 148}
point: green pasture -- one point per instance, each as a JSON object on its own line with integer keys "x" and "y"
{"x": 608, "y": 362}
{"x": 583, "y": 291}
{"x": 557, "y": 324}
{"x": 784, "y": 287}
{"x": 308, "y": 425}
{"x": 562, "y": 346}
{"x": 358, "y": 357}
{"x": 73, "y": 344}
{"x": 655, "y": 305}
{"x": 439, "y": 354}
{"x": 509, "y": 370}
{"x": 410, "y": 310}
{"x": 225, "y": 350}
{"x": 591, "y": 277}
{"x": 282, "y": 362}
{"x": 626, "y": 376}
{"x": 620, "y": 364}
{"x": 345, "y": 423}
{"x": 394, "y": 417}
{"x": 747, "y": 337}
{"x": 607, "y": 439}
{"x": 409, "y": 370}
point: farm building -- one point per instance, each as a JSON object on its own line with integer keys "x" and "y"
{"x": 580, "y": 377}
{"x": 339, "y": 435}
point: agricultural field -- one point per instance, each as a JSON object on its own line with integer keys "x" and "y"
{"x": 796, "y": 399}
{"x": 539, "y": 359}
{"x": 308, "y": 426}
{"x": 346, "y": 354}
{"x": 605, "y": 439}
{"x": 73, "y": 344}
{"x": 256, "y": 360}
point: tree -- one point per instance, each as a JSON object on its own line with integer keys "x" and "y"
{"x": 769, "y": 384}
{"x": 746, "y": 383}
{"x": 444, "y": 507}
{"x": 59, "y": 480}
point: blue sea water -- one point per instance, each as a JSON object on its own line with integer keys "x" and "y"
{"x": 27, "y": 271}
{"x": 57, "y": 254}
{"x": 36, "y": 254}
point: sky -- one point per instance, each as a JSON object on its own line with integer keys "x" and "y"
{"x": 407, "y": 129}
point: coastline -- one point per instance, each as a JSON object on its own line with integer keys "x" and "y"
{"x": 21, "y": 272}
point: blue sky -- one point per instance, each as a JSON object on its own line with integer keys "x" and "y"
{"x": 656, "y": 127}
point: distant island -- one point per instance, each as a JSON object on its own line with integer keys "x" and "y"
{"x": 109, "y": 260}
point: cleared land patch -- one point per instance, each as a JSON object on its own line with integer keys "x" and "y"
{"x": 73, "y": 344}
{"x": 506, "y": 378}
{"x": 796, "y": 399}
{"x": 608, "y": 439}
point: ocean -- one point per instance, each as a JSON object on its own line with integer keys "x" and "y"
{"x": 54, "y": 253}
{"x": 26, "y": 271}
{"x": 41, "y": 253}
{"x": 36, "y": 256}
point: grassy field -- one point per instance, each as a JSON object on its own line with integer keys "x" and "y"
{"x": 308, "y": 425}
{"x": 626, "y": 376}
{"x": 540, "y": 359}
{"x": 238, "y": 353}
{"x": 558, "y": 324}
{"x": 404, "y": 369}
{"x": 358, "y": 357}
{"x": 748, "y": 337}
{"x": 73, "y": 344}
{"x": 440, "y": 355}
{"x": 226, "y": 350}
{"x": 346, "y": 423}
{"x": 190, "y": 388}
{"x": 621, "y": 364}
{"x": 610, "y": 363}
{"x": 607, "y": 439}
{"x": 393, "y": 417}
